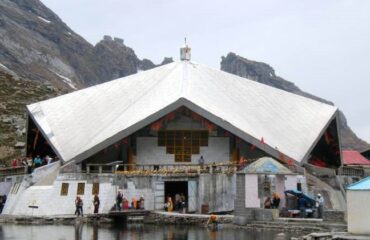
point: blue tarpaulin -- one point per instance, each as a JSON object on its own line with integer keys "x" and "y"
{"x": 297, "y": 193}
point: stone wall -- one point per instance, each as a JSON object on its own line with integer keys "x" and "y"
{"x": 184, "y": 219}
{"x": 242, "y": 214}
{"x": 334, "y": 216}
{"x": 217, "y": 191}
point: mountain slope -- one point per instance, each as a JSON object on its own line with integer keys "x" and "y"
{"x": 37, "y": 45}
{"x": 263, "y": 73}
{"x": 15, "y": 94}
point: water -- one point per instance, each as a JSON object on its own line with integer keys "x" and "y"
{"x": 129, "y": 232}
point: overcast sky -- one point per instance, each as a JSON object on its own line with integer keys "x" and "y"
{"x": 321, "y": 46}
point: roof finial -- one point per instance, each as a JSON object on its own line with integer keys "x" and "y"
{"x": 185, "y": 52}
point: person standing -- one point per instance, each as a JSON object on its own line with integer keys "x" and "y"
{"x": 169, "y": 204}
{"x": 37, "y": 161}
{"x": 302, "y": 206}
{"x": 320, "y": 205}
{"x": 96, "y": 203}
{"x": 48, "y": 159}
{"x": 125, "y": 204}
{"x": 177, "y": 202}
{"x": 134, "y": 203}
{"x": 183, "y": 203}
{"x": 118, "y": 201}
{"x": 79, "y": 204}
{"x": 201, "y": 162}
{"x": 141, "y": 202}
{"x": 267, "y": 203}
{"x": 275, "y": 201}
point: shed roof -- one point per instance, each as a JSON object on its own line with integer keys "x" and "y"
{"x": 80, "y": 124}
{"x": 363, "y": 184}
{"x": 266, "y": 165}
{"x": 351, "y": 157}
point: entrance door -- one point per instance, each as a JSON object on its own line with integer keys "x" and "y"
{"x": 159, "y": 196}
{"x": 192, "y": 196}
{"x": 176, "y": 188}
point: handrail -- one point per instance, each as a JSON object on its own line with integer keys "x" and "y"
{"x": 351, "y": 171}
{"x": 148, "y": 169}
{"x": 11, "y": 171}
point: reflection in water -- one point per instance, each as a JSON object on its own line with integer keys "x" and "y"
{"x": 78, "y": 230}
{"x": 81, "y": 231}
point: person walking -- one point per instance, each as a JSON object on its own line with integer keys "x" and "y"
{"x": 320, "y": 205}
{"x": 96, "y": 203}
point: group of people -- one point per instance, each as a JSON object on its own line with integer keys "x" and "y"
{"x": 179, "y": 204}
{"x": 79, "y": 205}
{"x": 272, "y": 202}
{"x": 302, "y": 204}
{"x": 123, "y": 203}
{"x": 31, "y": 163}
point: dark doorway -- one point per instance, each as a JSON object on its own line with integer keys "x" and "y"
{"x": 171, "y": 188}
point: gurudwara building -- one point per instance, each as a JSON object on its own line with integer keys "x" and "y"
{"x": 144, "y": 134}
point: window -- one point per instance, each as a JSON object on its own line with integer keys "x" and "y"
{"x": 95, "y": 189}
{"x": 183, "y": 143}
{"x": 64, "y": 189}
{"x": 80, "y": 188}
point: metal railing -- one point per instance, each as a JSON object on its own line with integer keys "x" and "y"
{"x": 162, "y": 169}
{"x": 11, "y": 171}
{"x": 351, "y": 171}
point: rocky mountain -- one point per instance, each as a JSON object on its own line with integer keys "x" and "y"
{"x": 36, "y": 44}
{"x": 263, "y": 73}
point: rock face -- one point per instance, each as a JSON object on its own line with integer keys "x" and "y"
{"x": 15, "y": 94}
{"x": 36, "y": 44}
{"x": 263, "y": 73}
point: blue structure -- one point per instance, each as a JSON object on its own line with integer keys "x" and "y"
{"x": 363, "y": 184}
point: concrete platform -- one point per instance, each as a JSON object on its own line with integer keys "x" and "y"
{"x": 128, "y": 213}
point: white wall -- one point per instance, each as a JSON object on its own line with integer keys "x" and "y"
{"x": 291, "y": 182}
{"x": 148, "y": 151}
{"x": 50, "y": 202}
{"x": 251, "y": 191}
{"x": 358, "y": 211}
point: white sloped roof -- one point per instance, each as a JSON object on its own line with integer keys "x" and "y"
{"x": 84, "y": 122}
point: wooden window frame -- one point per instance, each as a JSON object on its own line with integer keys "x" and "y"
{"x": 64, "y": 189}
{"x": 183, "y": 143}
{"x": 80, "y": 188}
{"x": 95, "y": 189}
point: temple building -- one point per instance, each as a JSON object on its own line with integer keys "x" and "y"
{"x": 179, "y": 128}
